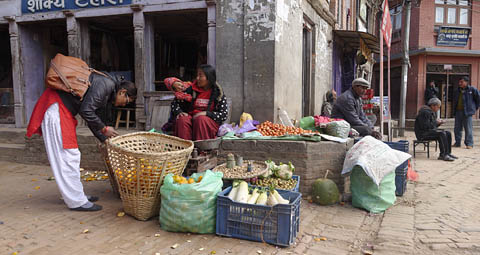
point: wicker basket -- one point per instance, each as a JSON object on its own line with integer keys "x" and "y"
{"x": 140, "y": 161}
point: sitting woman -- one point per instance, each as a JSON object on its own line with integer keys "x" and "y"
{"x": 202, "y": 108}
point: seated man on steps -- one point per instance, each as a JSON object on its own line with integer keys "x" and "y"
{"x": 426, "y": 124}
{"x": 350, "y": 108}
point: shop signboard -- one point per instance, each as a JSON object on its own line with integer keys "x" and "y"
{"x": 451, "y": 36}
{"x": 34, "y": 6}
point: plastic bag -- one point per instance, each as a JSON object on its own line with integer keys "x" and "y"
{"x": 375, "y": 157}
{"x": 411, "y": 174}
{"x": 244, "y": 117}
{"x": 367, "y": 195}
{"x": 224, "y": 129}
{"x": 190, "y": 207}
{"x": 248, "y": 125}
{"x": 339, "y": 128}
{"x": 308, "y": 123}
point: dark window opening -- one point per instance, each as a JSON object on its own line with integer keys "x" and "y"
{"x": 180, "y": 45}
{"x": 7, "y": 115}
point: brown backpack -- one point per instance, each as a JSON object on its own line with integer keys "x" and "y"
{"x": 69, "y": 74}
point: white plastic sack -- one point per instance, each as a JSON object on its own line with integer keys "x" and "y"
{"x": 375, "y": 157}
{"x": 339, "y": 128}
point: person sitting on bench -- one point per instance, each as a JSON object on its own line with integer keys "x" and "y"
{"x": 426, "y": 128}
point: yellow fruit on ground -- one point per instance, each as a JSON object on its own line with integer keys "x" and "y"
{"x": 200, "y": 178}
{"x": 191, "y": 180}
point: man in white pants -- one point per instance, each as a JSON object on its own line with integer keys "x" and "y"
{"x": 54, "y": 118}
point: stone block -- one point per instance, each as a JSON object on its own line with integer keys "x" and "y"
{"x": 238, "y": 145}
{"x": 275, "y": 146}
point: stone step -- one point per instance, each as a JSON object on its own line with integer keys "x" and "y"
{"x": 12, "y": 152}
{"x": 12, "y": 135}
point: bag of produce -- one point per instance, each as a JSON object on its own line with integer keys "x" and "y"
{"x": 339, "y": 128}
{"x": 367, "y": 195}
{"x": 190, "y": 206}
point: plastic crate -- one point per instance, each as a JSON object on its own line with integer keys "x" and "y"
{"x": 401, "y": 145}
{"x": 401, "y": 181}
{"x": 276, "y": 225}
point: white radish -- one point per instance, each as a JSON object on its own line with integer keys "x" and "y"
{"x": 279, "y": 198}
{"x": 272, "y": 201}
{"x": 233, "y": 192}
{"x": 253, "y": 198}
{"x": 242, "y": 193}
{"x": 262, "y": 198}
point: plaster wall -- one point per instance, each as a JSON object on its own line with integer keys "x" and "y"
{"x": 323, "y": 56}
{"x": 288, "y": 57}
{"x": 8, "y": 8}
{"x": 230, "y": 52}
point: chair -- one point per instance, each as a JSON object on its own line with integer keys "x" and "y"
{"x": 426, "y": 145}
{"x": 127, "y": 119}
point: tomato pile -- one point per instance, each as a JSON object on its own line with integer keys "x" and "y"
{"x": 268, "y": 128}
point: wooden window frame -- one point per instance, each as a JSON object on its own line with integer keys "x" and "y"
{"x": 457, "y": 8}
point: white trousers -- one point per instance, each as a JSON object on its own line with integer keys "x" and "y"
{"x": 65, "y": 163}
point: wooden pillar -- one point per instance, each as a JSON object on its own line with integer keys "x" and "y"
{"x": 17, "y": 73}
{"x": 212, "y": 25}
{"x": 140, "y": 59}
{"x": 73, "y": 30}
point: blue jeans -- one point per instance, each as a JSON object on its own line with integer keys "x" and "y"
{"x": 462, "y": 121}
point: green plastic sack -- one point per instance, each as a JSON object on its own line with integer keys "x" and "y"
{"x": 190, "y": 207}
{"x": 308, "y": 123}
{"x": 366, "y": 194}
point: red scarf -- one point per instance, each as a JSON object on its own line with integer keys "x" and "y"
{"x": 68, "y": 123}
{"x": 201, "y": 102}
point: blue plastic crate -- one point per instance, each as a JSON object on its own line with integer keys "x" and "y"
{"x": 401, "y": 182}
{"x": 401, "y": 145}
{"x": 276, "y": 225}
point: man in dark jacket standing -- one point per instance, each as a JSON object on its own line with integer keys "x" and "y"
{"x": 54, "y": 118}
{"x": 465, "y": 104}
{"x": 426, "y": 124}
{"x": 350, "y": 108}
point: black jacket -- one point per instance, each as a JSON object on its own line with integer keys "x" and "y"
{"x": 425, "y": 121}
{"x": 349, "y": 107}
{"x": 95, "y": 102}
{"x": 220, "y": 111}
{"x": 430, "y": 92}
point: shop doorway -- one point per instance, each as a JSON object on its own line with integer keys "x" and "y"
{"x": 447, "y": 82}
{"x": 110, "y": 48}
{"x": 7, "y": 114}
{"x": 41, "y": 41}
{"x": 181, "y": 39}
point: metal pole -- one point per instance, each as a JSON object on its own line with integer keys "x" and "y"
{"x": 446, "y": 97}
{"x": 389, "y": 100}
{"x": 405, "y": 64}
{"x": 381, "y": 84}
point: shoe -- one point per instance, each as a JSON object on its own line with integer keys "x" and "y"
{"x": 93, "y": 208}
{"x": 456, "y": 145}
{"x": 469, "y": 147}
{"x": 453, "y": 156}
{"x": 92, "y": 198}
{"x": 446, "y": 158}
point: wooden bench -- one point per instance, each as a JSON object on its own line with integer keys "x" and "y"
{"x": 126, "y": 120}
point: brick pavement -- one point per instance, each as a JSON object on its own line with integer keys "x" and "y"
{"x": 435, "y": 216}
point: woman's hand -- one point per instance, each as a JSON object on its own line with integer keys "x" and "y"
{"x": 182, "y": 114}
{"x": 109, "y": 131}
{"x": 204, "y": 113}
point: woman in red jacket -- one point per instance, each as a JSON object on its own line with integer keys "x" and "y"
{"x": 202, "y": 108}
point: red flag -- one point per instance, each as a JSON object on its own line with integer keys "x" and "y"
{"x": 386, "y": 25}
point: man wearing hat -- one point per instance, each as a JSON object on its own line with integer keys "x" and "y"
{"x": 349, "y": 107}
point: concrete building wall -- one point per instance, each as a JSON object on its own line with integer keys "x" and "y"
{"x": 8, "y": 8}
{"x": 229, "y": 54}
{"x": 323, "y": 68}
{"x": 288, "y": 57}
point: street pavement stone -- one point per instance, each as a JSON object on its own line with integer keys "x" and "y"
{"x": 437, "y": 215}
